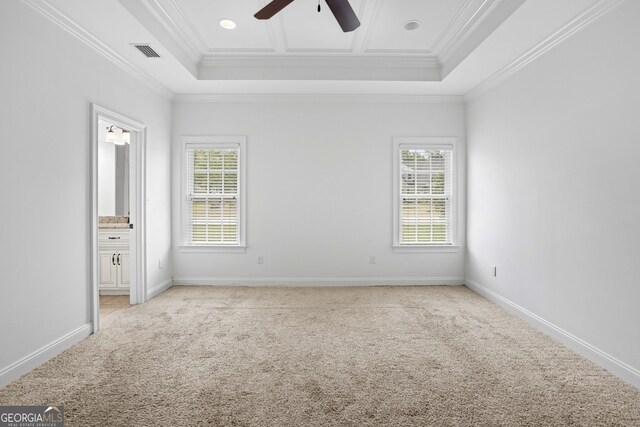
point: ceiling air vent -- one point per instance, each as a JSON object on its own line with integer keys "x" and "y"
{"x": 147, "y": 50}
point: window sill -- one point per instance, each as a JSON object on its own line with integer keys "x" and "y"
{"x": 221, "y": 249}
{"x": 426, "y": 249}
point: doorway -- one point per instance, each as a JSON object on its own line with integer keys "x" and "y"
{"x": 118, "y": 255}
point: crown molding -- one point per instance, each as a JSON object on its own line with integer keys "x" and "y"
{"x": 572, "y": 27}
{"x": 317, "y": 98}
{"x": 61, "y": 20}
{"x": 238, "y": 51}
{"x": 330, "y": 60}
{"x": 362, "y": 37}
{"x": 196, "y": 39}
{"x": 329, "y": 67}
{"x": 423, "y": 52}
{"x": 156, "y": 20}
{"x": 447, "y": 36}
{"x": 188, "y": 46}
{"x": 467, "y": 29}
{"x": 487, "y": 18}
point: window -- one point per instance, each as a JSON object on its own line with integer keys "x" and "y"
{"x": 214, "y": 192}
{"x": 424, "y": 202}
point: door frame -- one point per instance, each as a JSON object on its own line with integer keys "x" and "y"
{"x": 137, "y": 198}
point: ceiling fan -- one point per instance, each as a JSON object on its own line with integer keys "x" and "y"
{"x": 341, "y": 9}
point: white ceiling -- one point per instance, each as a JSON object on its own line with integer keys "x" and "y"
{"x": 300, "y": 29}
{"x": 459, "y": 45}
{"x": 271, "y": 49}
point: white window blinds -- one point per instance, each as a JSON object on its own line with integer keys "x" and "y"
{"x": 212, "y": 194}
{"x": 425, "y": 195}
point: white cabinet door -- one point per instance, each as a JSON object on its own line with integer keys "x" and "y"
{"x": 124, "y": 267}
{"x": 107, "y": 269}
{"x": 114, "y": 264}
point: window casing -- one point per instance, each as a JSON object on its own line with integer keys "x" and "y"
{"x": 424, "y": 193}
{"x": 214, "y": 192}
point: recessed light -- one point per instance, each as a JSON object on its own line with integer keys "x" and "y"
{"x": 227, "y": 24}
{"x": 411, "y": 25}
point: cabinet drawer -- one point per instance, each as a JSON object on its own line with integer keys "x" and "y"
{"x": 110, "y": 237}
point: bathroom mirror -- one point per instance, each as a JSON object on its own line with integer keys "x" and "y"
{"x": 113, "y": 171}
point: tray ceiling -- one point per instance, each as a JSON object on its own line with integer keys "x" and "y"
{"x": 271, "y": 49}
{"x": 299, "y": 28}
{"x": 460, "y": 44}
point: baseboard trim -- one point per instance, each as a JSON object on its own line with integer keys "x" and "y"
{"x": 38, "y": 357}
{"x": 156, "y": 290}
{"x": 583, "y": 348}
{"x": 317, "y": 281}
{"x": 114, "y": 291}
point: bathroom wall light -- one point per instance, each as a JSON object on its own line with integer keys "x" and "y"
{"x": 118, "y": 136}
{"x": 111, "y": 135}
{"x": 118, "y": 141}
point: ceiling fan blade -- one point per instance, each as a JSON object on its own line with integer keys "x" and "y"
{"x": 344, "y": 14}
{"x": 272, "y": 8}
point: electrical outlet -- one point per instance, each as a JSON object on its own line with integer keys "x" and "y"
{"x": 160, "y": 265}
{"x": 260, "y": 259}
{"x": 372, "y": 260}
{"x": 494, "y": 271}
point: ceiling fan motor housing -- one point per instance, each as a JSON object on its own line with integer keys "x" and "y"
{"x": 341, "y": 9}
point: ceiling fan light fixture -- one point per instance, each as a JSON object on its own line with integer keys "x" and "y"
{"x": 227, "y": 24}
{"x": 412, "y": 25}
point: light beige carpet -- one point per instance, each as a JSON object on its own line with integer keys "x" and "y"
{"x": 383, "y": 356}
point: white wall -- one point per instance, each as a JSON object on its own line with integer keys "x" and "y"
{"x": 319, "y": 194}
{"x": 553, "y": 182}
{"x": 47, "y": 84}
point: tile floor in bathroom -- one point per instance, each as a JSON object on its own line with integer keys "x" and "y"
{"x": 112, "y": 303}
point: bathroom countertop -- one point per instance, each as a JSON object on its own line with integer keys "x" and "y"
{"x": 113, "y": 222}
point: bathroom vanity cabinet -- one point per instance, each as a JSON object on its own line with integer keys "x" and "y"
{"x": 113, "y": 265}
